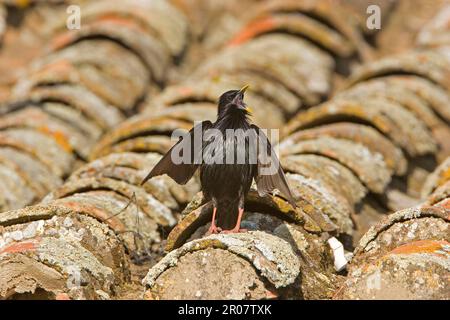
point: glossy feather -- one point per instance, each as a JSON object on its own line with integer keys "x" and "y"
{"x": 228, "y": 184}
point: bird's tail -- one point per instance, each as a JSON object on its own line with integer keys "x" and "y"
{"x": 227, "y": 214}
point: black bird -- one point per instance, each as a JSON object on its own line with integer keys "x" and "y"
{"x": 226, "y": 182}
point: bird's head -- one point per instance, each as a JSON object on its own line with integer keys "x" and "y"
{"x": 233, "y": 101}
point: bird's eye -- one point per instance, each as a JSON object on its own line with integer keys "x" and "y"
{"x": 232, "y": 95}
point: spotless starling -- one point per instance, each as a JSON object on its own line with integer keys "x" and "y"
{"x": 230, "y": 153}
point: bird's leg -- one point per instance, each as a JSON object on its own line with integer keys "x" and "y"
{"x": 237, "y": 228}
{"x": 213, "y": 228}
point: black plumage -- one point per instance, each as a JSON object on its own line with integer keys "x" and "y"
{"x": 231, "y": 154}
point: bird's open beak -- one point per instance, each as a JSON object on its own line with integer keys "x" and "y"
{"x": 244, "y": 88}
{"x": 239, "y": 99}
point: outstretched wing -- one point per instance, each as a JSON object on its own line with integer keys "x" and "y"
{"x": 180, "y": 172}
{"x": 270, "y": 175}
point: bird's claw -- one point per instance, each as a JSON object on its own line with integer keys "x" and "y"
{"x": 213, "y": 230}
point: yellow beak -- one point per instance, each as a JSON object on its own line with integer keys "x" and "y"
{"x": 244, "y": 88}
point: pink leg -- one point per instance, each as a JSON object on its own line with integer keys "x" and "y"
{"x": 237, "y": 228}
{"x": 213, "y": 228}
